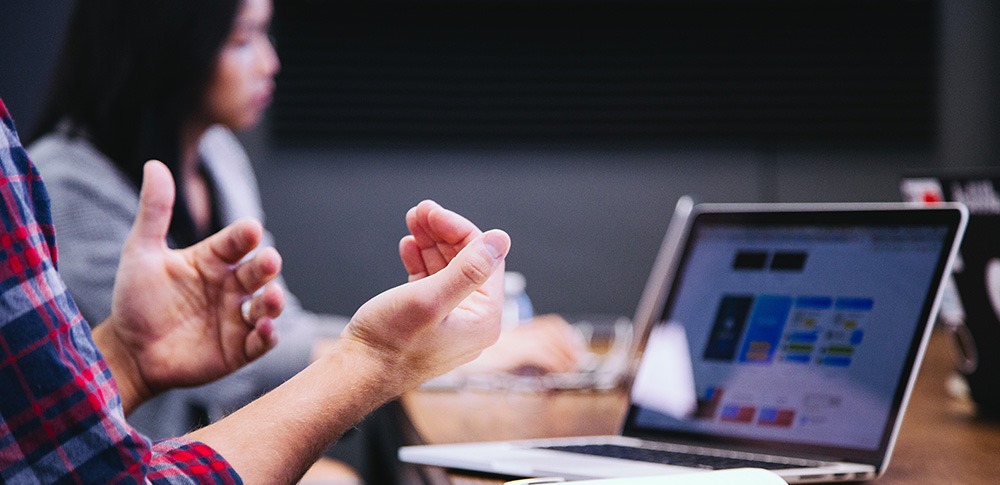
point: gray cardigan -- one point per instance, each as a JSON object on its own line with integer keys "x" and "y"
{"x": 93, "y": 206}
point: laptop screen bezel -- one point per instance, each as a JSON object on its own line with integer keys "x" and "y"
{"x": 950, "y": 216}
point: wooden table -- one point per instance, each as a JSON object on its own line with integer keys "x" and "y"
{"x": 941, "y": 441}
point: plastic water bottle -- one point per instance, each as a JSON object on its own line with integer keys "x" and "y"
{"x": 516, "y": 305}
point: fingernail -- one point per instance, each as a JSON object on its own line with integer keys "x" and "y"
{"x": 495, "y": 243}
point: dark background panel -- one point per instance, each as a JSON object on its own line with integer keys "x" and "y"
{"x": 541, "y": 71}
{"x": 577, "y": 132}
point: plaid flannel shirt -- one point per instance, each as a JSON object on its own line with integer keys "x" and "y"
{"x": 61, "y": 418}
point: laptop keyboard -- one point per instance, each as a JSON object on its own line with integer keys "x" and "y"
{"x": 667, "y": 457}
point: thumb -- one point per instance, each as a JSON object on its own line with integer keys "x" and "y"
{"x": 471, "y": 268}
{"x": 156, "y": 204}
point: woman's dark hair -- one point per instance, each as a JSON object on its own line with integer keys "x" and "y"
{"x": 130, "y": 73}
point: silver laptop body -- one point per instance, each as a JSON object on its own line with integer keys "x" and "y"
{"x": 781, "y": 336}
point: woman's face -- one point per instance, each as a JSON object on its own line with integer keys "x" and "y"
{"x": 243, "y": 82}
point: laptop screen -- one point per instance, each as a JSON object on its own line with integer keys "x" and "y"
{"x": 801, "y": 329}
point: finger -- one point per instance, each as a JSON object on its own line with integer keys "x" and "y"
{"x": 412, "y": 225}
{"x": 234, "y": 241}
{"x": 547, "y": 363}
{"x": 432, "y": 225}
{"x": 471, "y": 269}
{"x": 156, "y": 203}
{"x": 267, "y": 304}
{"x": 261, "y": 311}
{"x": 452, "y": 231}
{"x": 440, "y": 233}
{"x": 409, "y": 253}
{"x": 416, "y": 222}
{"x": 432, "y": 259}
{"x": 450, "y": 227}
{"x": 259, "y": 270}
{"x": 260, "y": 340}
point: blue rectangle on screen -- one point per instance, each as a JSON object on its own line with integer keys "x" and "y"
{"x": 859, "y": 304}
{"x": 814, "y": 302}
{"x": 836, "y": 361}
{"x": 803, "y": 337}
{"x": 856, "y": 337}
{"x": 797, "y": 358}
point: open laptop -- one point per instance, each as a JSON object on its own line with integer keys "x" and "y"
{"x": 804, "y": 327}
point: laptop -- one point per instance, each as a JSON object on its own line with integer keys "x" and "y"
{"x": 972, "y": 313}
{"x": 803, "y": 327}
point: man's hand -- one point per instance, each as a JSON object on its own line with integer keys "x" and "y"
{"x": 445, "y": 316}
{"x": 186, "y": 317}
{"x": 449, "y": 311}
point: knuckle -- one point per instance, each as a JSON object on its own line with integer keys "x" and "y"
{"x": 476, "y": 269}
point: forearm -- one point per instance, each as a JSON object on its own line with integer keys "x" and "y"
{"x": 277, "y": 437}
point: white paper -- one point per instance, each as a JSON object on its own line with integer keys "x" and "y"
{"x": 665, "y": 382}
{"x": 742, "y": 476}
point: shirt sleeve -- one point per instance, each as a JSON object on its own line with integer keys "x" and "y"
{"x": 61, "y": 419}
{"x": 182, "y": 461}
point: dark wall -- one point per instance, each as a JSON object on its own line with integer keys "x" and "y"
{"x": 586, "y": 221}
{"x": 30, "y": 34}
{"x": 585, "y": 224}
{"x": 969, "y": 130}
{"x": 509, "y": 72}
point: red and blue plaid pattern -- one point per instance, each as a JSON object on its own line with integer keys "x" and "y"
{"x": 61, "y": 419}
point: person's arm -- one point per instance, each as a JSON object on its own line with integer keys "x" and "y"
{"x": 58, "y": 376}
{"x": 445, "y": 316}
{"x": 544, "y": 344}
{"x": 176, "y": 314}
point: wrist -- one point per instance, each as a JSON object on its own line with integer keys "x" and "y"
{"x": 123, "y": 365}
{"x": 382, "y": 373}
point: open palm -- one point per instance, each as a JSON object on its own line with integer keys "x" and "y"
{"x": 179, "y": 311}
